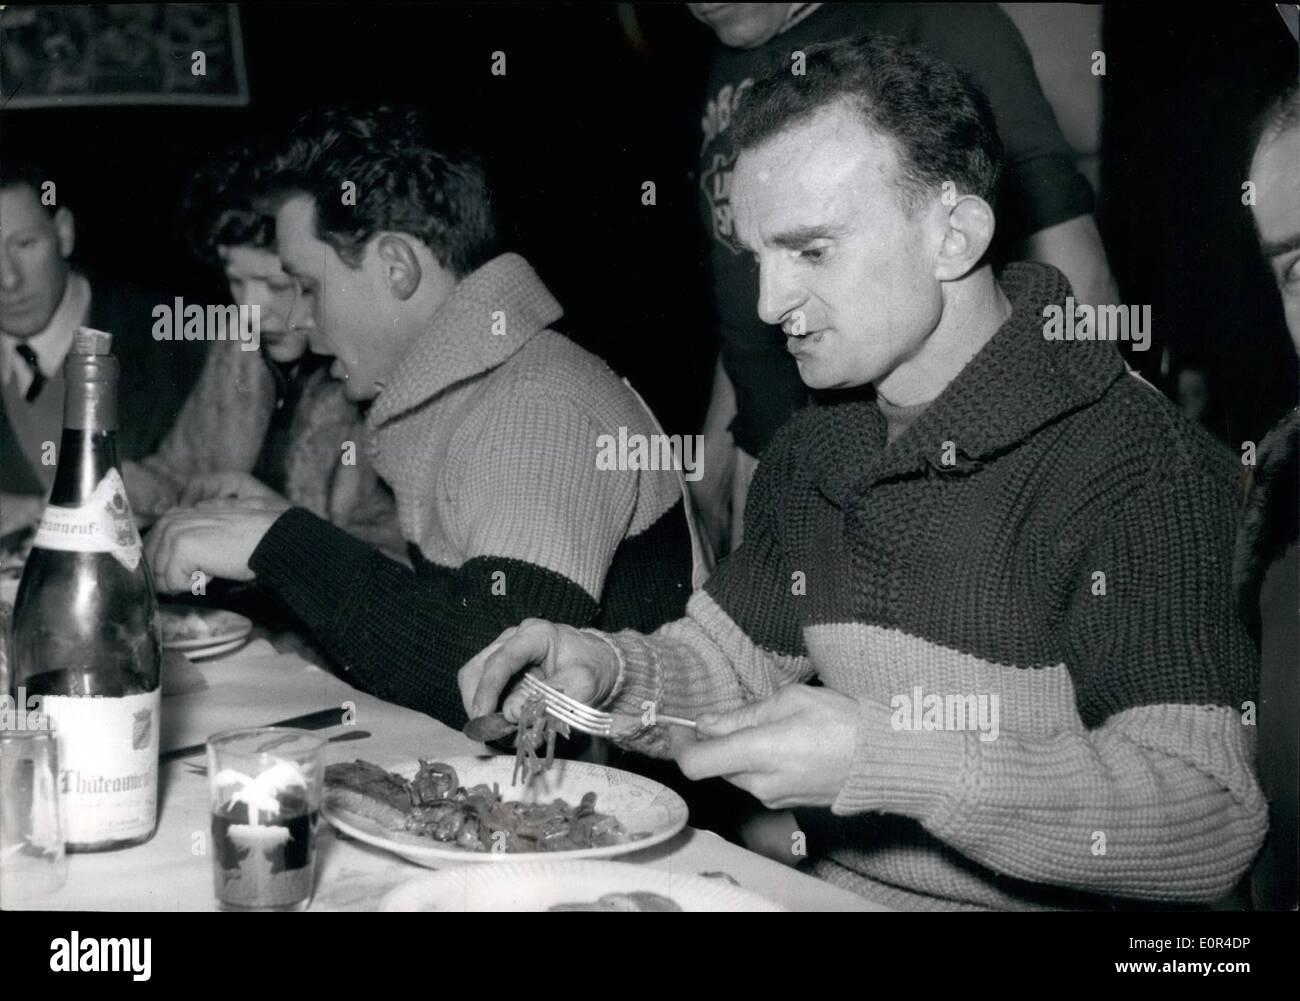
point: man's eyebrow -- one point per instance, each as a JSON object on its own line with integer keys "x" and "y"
{"x": 1277, "y": 247}
{"x": 801, "y": 236}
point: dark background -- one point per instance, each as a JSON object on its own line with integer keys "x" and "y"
{"x": 589, "y": 109}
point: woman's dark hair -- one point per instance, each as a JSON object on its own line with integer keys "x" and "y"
{"x": 223, "y": 207}
{"x": 940, "y": 122}
{"x": 378, "y": 169}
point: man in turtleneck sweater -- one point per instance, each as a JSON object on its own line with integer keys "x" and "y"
{"x": 1009, "y": 570}
{"x": 484, "y": 421}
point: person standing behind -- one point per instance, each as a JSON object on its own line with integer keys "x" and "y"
{"x": 1046, "y": 203}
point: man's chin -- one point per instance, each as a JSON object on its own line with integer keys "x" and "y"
{"x": 21, "y": 329}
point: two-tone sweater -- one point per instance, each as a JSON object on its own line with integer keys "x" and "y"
{"x": 494, "y": 432}
{"x": 1028, "y": 594}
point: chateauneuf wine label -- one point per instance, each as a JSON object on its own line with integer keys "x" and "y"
{"x": 102, "y": 525}
{"x": 108, "y": 765}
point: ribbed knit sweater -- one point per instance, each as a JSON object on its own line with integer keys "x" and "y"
{"x": 1122, "y": 771}
{"x": 488, "y": 433}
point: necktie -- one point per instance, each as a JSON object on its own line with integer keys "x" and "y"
{"x": 38, "y": 377}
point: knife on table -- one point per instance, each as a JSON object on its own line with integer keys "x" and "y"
{"x": 318, "y": 720}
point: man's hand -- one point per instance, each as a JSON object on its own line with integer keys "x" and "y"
{"x": 577, "y": 663}
{"x": 227, "y": 485}
{"x": 791, "y": 749}
{"x": 217, "y": 540}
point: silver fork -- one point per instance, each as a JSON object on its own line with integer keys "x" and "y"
{"x": 581, "y": 716}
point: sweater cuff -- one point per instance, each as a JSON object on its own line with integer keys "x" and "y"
{"x": 913, "y": 773}
{"x": 640, "y": 682}
{"x": 311, "y": 564}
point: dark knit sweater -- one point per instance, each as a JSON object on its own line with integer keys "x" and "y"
{"x": 1122, "y": 769}
{"x": 488, "y": 434}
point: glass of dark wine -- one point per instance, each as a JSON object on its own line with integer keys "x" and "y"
{"x": 265, "y": 805}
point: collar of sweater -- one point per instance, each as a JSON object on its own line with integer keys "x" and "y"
{"x": 1018, "y": 383}
{"x": 488, "y": 316}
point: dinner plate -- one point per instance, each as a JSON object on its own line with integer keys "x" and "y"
{"x": 641, "y": 805}
{"x": 202, "y": 632}
{"x": 539, "y": 886}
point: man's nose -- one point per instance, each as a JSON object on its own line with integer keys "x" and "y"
{"x": 777, "y": 295}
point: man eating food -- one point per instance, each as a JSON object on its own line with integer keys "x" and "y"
{"x": 989, "y": 522}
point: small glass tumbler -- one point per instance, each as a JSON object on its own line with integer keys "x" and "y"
{"x": 32, "y": 860}
{"x": 265, "y": 799}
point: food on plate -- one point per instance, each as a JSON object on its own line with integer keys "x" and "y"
{"x": 178, "y": 626}
{"x": 435, "y": 805}
{"x": 182, "y": 624}
{"x": 640, "y": 900}
{"x": 535, "y": 726}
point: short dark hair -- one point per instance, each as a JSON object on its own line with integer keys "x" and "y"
{"x": 223, "y": 208}
{"x": 28, "y": 171}
{"x": 404, "y": 183}
{"x": 939, "y": 121}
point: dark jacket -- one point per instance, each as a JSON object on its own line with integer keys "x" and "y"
{"x": 156, "y": 377}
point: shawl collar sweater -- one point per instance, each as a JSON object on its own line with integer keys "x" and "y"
{"x": 1049, "y": 532}
{"x": 488, "y": 433}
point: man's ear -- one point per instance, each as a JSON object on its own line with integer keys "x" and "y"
{"x": 402, "y": 272}
{"x": 65, "y": 228}
{"x": 967, "y": 235}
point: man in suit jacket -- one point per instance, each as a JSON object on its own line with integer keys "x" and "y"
{"x": 42, "y": 303}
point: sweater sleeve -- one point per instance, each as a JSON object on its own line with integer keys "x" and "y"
{"x": 1152, "y": 796}
{"x": 537, "y": 522}
{"x": 220, "y": 427}
{"x": 741, "y": 638}
{"x": 401, "y": 635}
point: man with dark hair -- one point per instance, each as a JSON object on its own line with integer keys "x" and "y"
{"x": 485, "y": 422}
{"x": 1009, "y": 569}
{"x": 265, "y": 421}
{"x": 1044, "y": 211}
{"x": 43, "y": 300}
{"x": 1266, "y": 567}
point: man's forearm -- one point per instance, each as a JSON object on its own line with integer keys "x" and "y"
{"x": 703, "y": 663}
{"x": 1141, "y": 807}
{"x": 1074, "y": 247}
{"x": 401, "y": 635}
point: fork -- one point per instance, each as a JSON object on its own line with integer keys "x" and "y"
{"x": 581, "y": 716}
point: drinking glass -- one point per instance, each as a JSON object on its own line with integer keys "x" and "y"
{"x": 32, "y": 860}
{"x": 265, "y": 793}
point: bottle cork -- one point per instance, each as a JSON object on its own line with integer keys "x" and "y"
{"x": 92, "y": 342}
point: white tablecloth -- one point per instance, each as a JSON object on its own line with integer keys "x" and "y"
{"x": 254, "y": 687}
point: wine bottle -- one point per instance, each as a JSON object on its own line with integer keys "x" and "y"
{"x": 86, "y": 636}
